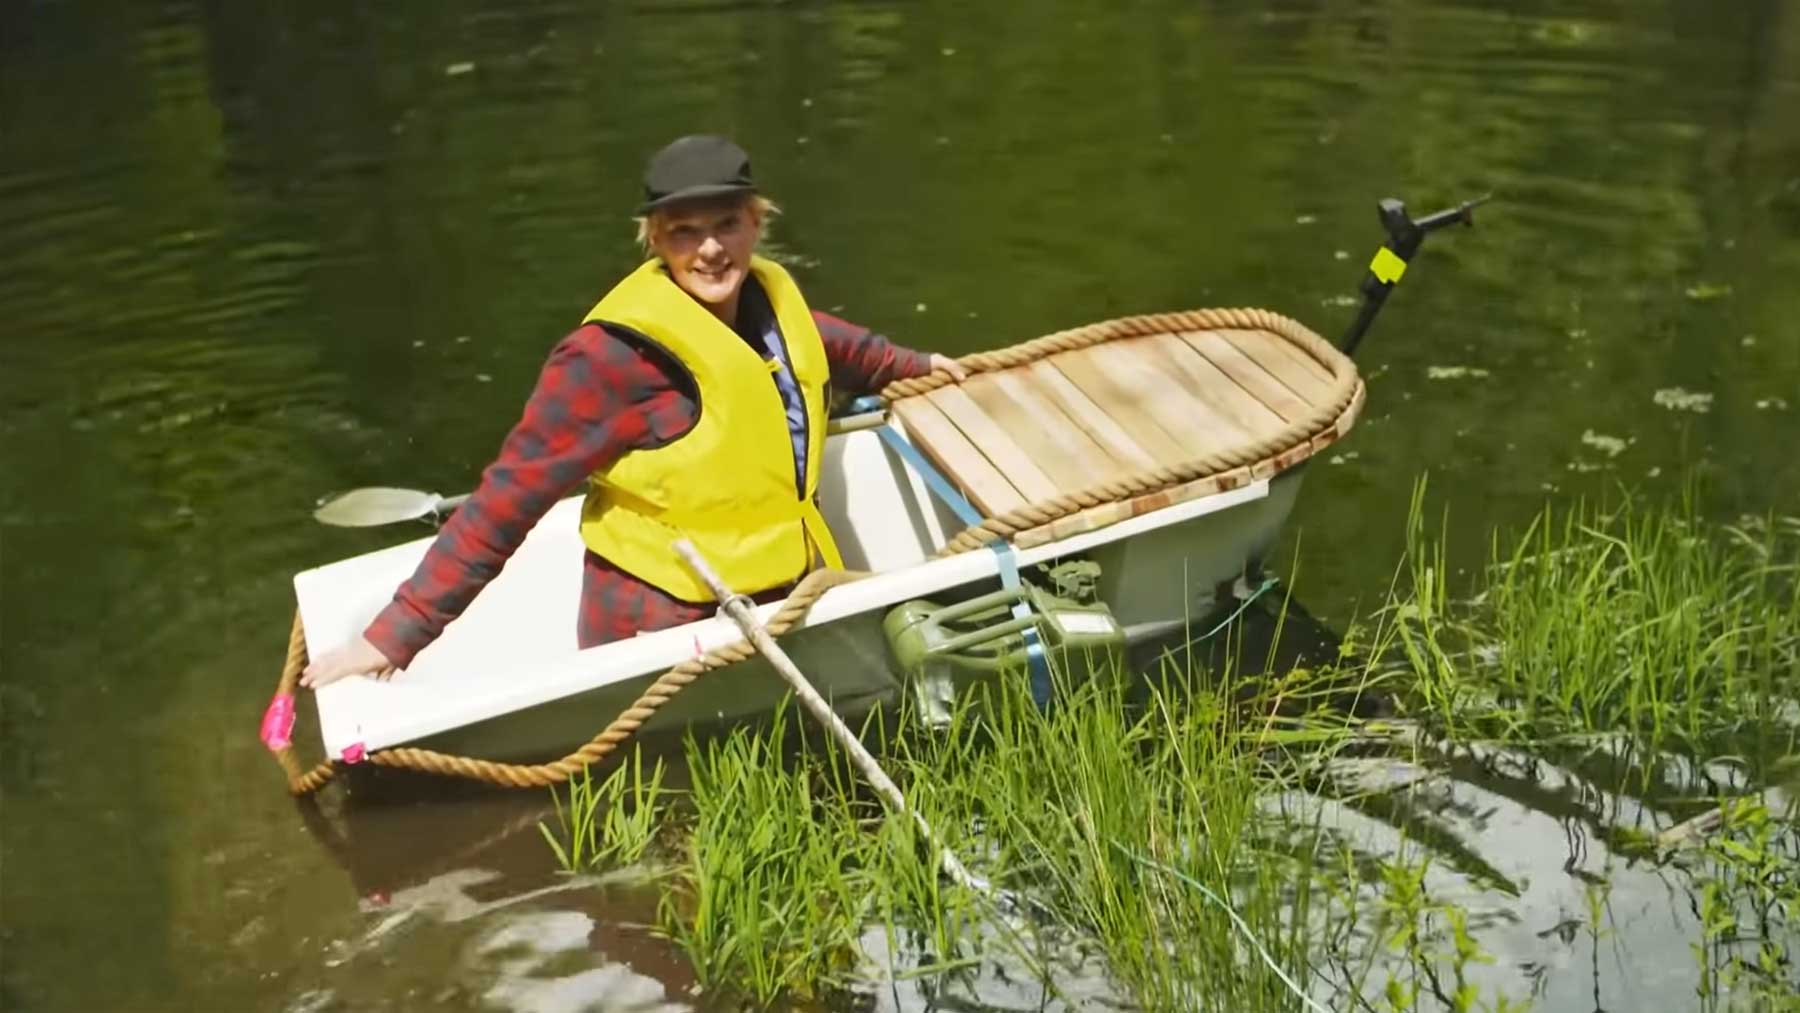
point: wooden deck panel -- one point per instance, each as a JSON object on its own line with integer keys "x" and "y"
{"x": 1106, "y": 388}
{"x": 1215, "y": 386}
{"x": 1289, "y": 349}
{"x": 941, "y": 441}
{"x": 1059, "y": 446}
{"x": 1299, "y": 371}
{"x": 1092, "y": 419}
{"x": 1247, "y": 374}
{"x": 1176, "y": 405}
{"x": 1087, "y": 415}
{"x": 993, "y": 440}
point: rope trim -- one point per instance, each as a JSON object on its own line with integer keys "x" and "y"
{"x": 1330, "y": 415}
{"x": 304, "y": 781}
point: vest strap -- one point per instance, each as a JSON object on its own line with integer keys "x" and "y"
{"x": 820, "y": 534}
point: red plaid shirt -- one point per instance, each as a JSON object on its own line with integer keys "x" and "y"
{"x": 598, "y": 396}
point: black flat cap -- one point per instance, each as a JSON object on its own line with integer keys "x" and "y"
{"x": 696, "y": 166}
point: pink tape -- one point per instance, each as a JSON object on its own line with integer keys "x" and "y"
{"x": 278, "y": 723}
{"x": 353, "y": 753}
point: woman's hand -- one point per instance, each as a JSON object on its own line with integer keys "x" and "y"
{"x": 945, "y": 364}
{"x": 359, "y": 657}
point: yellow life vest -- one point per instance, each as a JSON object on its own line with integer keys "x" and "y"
{"x": 728, "y": 484}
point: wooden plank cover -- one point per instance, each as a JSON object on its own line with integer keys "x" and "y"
{"x": 1098, "y": 425}
{"x": 1216, "y": 386}
{"x": 1246, "y": 374}
{"x": 1295, "y": 368}
{"x": 957, "y": 457}
{"x": 992, "y": 440}
{"x": 1079, "y": 417}
{"x": 1171, "y": 400}
{"x": 1065, "y": 452}
{"x": 1117, "y": 398}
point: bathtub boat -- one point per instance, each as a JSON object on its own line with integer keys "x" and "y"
{"x": 1159, "y": 456}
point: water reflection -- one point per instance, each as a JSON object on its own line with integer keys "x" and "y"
{"x": 488, "y": 942}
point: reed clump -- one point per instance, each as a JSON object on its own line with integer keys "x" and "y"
{"x": 1176, "y": 833}
{"x": 1641, "y": 622}
{"x": 611, "y": 822}
{"x": 1134, "y": 824}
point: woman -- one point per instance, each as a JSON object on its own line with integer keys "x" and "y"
{"x": 692, "y": 400}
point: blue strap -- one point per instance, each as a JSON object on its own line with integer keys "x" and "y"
{"x": 934, "y": 479}
{"x": 940, "y": 486}
{"x": 1035, "y": 660}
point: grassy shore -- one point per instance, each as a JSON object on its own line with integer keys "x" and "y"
{"x": 1168, "y": 833}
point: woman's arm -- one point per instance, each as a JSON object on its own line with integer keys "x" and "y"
{"x": 596, "y": 398}
{"x": 864, "y": 362}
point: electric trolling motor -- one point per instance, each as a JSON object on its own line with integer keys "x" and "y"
{"x": 1404, "y": 239}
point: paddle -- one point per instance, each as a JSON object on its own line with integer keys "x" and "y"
{"x": 367, "y": 508}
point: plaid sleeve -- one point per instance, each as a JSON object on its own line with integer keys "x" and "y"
{"x": 862, "y": 361}
{"x": 597, "y": 398}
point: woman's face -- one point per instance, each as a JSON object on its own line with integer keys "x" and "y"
{"x": 707, "y": 246}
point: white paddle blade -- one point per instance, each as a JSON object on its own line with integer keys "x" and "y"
{"x": 366, "y": 508}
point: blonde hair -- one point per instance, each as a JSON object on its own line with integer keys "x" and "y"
{"x": 762, "y": 207}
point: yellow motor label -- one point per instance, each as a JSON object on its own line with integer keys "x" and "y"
{"x": 1387, "y": 266}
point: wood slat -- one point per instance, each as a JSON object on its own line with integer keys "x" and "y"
{"x": 1119, "y": 401}
{"x": 1181, "y": 411}
{"x": 1216, "y": 387}
{"x": 1246, "y": 373}
{"x": 1053, "y": 440}
{"x": 1097, "y": 517}
{"x": 934, "y": 434}
{"x": 1289, "y": 349}
{"x": 1120, "y": 446}
{"x": 993, "y": 441}
{"x": 1302, "y": 374}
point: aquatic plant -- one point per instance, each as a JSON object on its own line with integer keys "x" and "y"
{"x": 1746, "y": 895}
{"x": 1179, "y": 828}
{"x": 1639, "y": 620}
{"x": 612, "y": 822}
{"x": 768, "y": 896}
{"x": 1131, "y": 821}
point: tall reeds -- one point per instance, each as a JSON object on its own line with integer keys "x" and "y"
{"x": 1169, "y": 827}
{"x": 1638, "y": 621}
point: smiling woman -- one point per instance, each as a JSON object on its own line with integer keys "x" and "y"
{"x": 618, "y": 407}
{"x": 705, "y": 247}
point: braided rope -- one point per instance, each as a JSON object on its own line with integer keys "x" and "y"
{"x": 1334, "y": 412}
{"x": 303, "y": 781}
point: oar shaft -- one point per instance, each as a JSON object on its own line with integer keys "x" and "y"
{"x": 740, "y": 610}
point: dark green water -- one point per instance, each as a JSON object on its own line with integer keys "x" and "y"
{"x": 250, "y": 256}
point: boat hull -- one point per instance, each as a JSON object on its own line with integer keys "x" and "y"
{"x": 1155, "y": 583}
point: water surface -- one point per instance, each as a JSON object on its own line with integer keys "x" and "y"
{"x": 253, "y": 256}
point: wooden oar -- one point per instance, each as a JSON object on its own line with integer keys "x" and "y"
{"x": 743, "y": 611}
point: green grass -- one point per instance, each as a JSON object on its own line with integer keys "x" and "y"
{"x": 1130, "y": 822}
{"x": 611, "y": 823}
{"x": 1168, "y": 829}
{"x": 1638, "y": 621}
